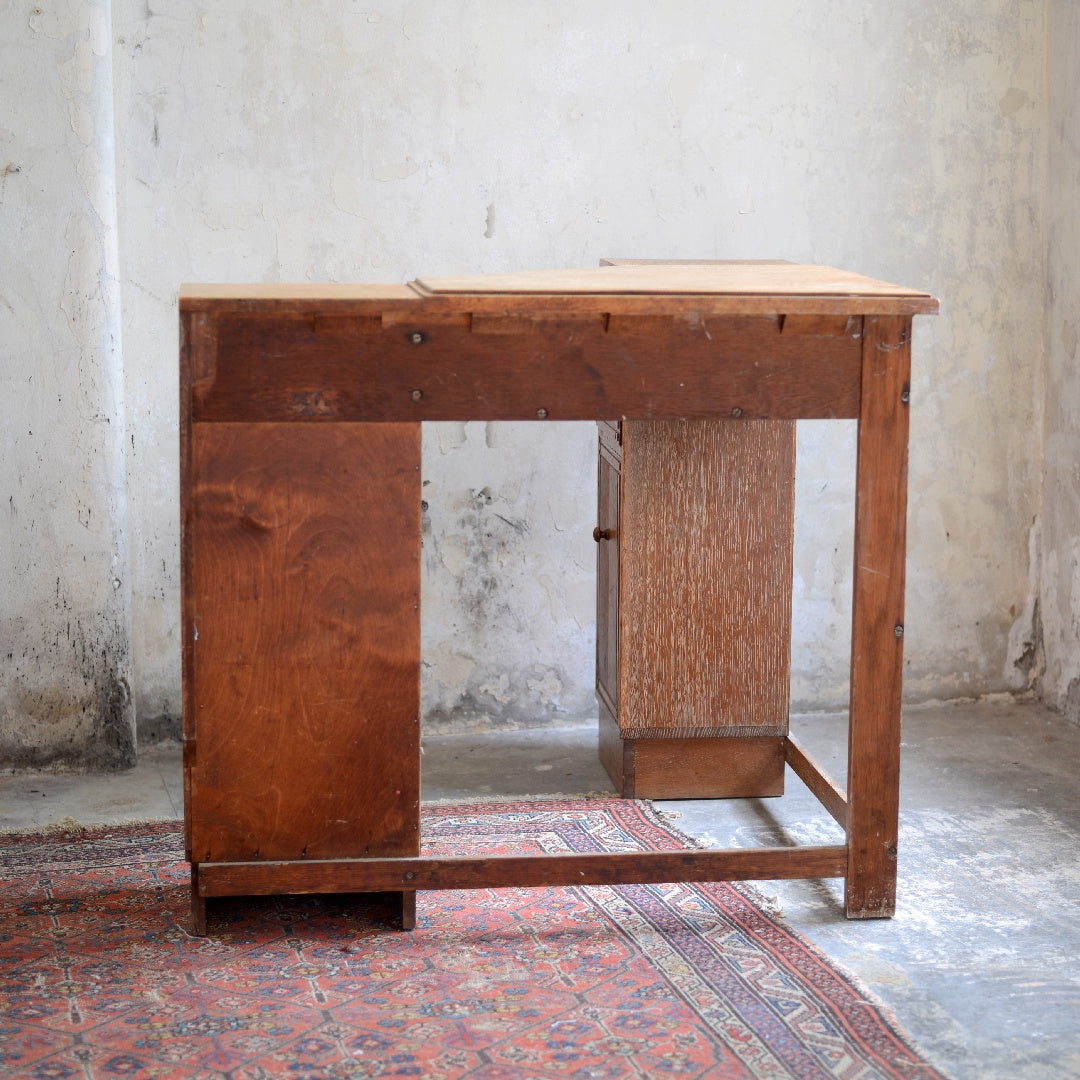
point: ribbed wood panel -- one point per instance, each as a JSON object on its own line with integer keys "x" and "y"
{"x": 706, "y": 522}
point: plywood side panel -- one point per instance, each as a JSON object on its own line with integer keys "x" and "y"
{"x": 304, "y": 618}
{"x": 705, "y": 596}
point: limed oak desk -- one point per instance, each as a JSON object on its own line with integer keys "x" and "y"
{"x": 300, "y": 488}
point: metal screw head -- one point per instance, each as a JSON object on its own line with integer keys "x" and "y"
{"x": 905, "y": 396}
{"x": 898, "y": 630}
{"x": 541, "y": 414}
{"x": 736, "y": 412}
{"x": 416, "y": 395}
{"x": 417, "y": 337}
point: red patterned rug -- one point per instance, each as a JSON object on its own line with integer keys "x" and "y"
{"x": 100, "y": 977}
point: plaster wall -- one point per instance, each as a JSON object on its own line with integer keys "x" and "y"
{"x": 65, "y": 614}
{"x": 334, "y": 141}
{"x": 1060, "y": 537}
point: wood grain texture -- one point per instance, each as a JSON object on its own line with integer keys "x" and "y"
{"x": 300, "y": 545}
{"x": 291, "y": 296}
{"x": 705, "y": 549}
{"x": 303, "y": 615}
{"x": 640, "y": 287}
{"x": 189, "y": 357}
{"x": 519, "y": 871}
{"x": 277, "y": 367}
{"x": 822, "y": 786}
{"x": 704, "y": 767}
{"x": 877, "y": 653}
{"x": 736, "y": 279}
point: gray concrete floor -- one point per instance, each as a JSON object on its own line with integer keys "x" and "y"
{"x": 981, "y": 965}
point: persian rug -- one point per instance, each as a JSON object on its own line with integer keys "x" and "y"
{"x": 100, "y": 978}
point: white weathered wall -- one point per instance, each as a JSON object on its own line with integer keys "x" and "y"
{"x": 331, "y": 141}
{"x": 1060, "y": 592}
{"x": 65, "y": 617}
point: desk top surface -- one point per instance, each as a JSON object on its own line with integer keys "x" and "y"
{"x": 640, "y": 286}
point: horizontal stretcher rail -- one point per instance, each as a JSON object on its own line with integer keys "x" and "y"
{"x": 515, "y": 871}
{"x": 824, "y": 788}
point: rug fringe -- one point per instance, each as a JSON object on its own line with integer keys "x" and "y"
{"x": 69, "y": 826}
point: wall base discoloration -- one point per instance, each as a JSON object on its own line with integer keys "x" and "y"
{"x": 509, "y": 592}
{"x": 152, "y": 730}
{"x": 1059, "y": 585}
{"x": 69, "y": 708}
{"x": 1072, "y": 701}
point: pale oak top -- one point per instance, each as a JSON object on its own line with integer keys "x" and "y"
{"x": 653, "y": 287}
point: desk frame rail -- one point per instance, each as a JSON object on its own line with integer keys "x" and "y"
{"x": 433, "y": 873}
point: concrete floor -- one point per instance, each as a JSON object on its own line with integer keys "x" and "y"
{"x": 981, "y": 964}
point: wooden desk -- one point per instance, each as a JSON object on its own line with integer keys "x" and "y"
{"x": 300, "y": 490}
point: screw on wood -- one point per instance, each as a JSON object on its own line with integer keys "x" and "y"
{"x": 417, "y": 337}
{"x": 416, "y": 395}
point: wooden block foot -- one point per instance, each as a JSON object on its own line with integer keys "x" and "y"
{"x": 198, "y": 906}
{"x": 724, "y": 767}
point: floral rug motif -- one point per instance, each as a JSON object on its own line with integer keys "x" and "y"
{"x": 99, "y": 977}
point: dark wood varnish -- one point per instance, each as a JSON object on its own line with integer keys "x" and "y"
{"x": 503, "y": 871}
{"x": 312, "y": 368}
{"x": 300, "y": 495}
{"x": 302, "y": 618}
{"x": 877, "y": 635}
{"x": 306, "y": 641}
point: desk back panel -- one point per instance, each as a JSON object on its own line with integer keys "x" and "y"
{"x": 302, "y": 611}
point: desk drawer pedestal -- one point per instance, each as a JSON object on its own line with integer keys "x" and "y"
{"x": 694, "y": 605}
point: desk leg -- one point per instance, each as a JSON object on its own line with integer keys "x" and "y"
{"x": 198, "y": 905}
{"x": 878, "y": 620}
{"x": 408, "y": 909}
